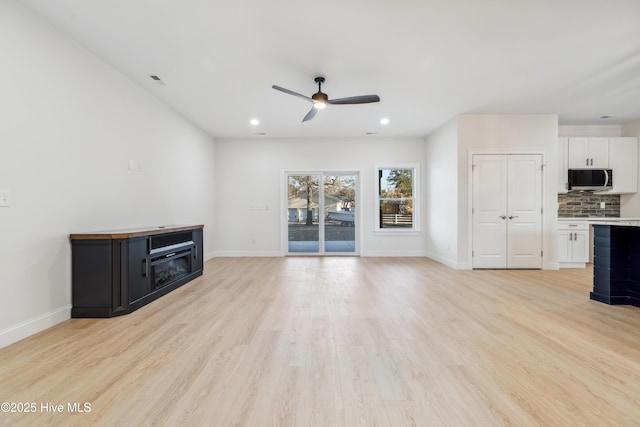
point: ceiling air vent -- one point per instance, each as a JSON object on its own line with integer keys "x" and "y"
{"x": 157, "y": 79}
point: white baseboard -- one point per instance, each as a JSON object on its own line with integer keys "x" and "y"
{"x": 452, "y": 263}
{"x": 572, "y": 265}
{"x": 32, "y": 326}
{"x": 240, "y": 254}
{"x": 384, "y": 254}
{"x": 551, "y": 266}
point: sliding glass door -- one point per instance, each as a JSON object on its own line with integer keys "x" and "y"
{"x": 303, "y": 213}
{"x": 340, "y": 213}
{"x": 321, "y": 213}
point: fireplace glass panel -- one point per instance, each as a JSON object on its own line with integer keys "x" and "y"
{"x": 169, "y": 270}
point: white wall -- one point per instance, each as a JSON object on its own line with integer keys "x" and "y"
{"x": 508, "y": 134}
{"x": 630, "y": 203}
{"x": 70, "y": 125}
{"x": 249, "y": 174}
{"x": 440, "y": 189}
{"x": 590, "y": 130}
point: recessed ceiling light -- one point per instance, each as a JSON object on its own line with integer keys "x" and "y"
{"x": 384, "y": 121}
{"x": 255, "y": 122}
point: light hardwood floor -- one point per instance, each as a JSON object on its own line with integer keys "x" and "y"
{"x": 342, "y": 342}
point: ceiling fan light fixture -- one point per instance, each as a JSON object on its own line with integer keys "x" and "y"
{"x": 321, "y": 99}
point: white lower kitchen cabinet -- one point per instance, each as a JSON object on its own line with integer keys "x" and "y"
{"x": 573, "y": 244}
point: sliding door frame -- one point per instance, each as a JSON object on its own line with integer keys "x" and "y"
{"x": 284, "y": 209}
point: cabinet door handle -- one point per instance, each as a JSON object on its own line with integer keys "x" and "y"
{"x": 502, "y": 217}
{"x": 587, "y": 164}
{"x": 145, "y": 268}
{"x": 575, "y": 236}
{"x": 513, "y": 216}
{"x": 592, "y": 161}
{"x": 570, "y": 236}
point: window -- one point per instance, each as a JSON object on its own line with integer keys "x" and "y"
{"x": 397, "y": 207}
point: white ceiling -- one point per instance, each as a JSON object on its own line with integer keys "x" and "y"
{"x": 428, "y": 60}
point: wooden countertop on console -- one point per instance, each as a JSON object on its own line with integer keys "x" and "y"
{"x": 132, "y": 232}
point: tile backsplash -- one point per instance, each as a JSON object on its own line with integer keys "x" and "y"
{"x": 585, "y": 203}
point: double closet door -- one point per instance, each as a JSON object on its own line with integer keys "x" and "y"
{"x": 507, "y": 211}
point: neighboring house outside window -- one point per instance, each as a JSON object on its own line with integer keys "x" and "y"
{"x": 397, "y": 206}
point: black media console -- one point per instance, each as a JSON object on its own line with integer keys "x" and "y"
{"x": 117, "y": 272}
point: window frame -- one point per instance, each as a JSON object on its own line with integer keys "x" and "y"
{"x": 415, "y": 228}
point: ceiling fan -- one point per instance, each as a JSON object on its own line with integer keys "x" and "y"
{"x": 320, "y": 99}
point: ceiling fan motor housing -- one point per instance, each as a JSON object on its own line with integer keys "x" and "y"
{"x": 320, "y": 97}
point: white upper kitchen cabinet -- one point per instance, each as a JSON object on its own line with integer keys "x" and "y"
{"x": 623, "y": 161}
{"x": 563, "y": 166}
{"x": 588, "y": 153}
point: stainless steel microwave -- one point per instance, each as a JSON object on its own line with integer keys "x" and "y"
{"x": 590, "y": 179}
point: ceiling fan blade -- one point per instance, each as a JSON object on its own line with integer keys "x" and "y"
{"x": 290, "y": 92}
{"x": 364, "y": 99}
{"x": 310, "y": 115}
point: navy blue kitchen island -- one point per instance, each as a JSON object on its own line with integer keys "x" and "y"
{"x": 616, "y": 263}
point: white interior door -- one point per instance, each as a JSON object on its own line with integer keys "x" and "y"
{"x": 507, "y": 211}
{"x": 489, "y": 211}
{"x": 524, "y": 211}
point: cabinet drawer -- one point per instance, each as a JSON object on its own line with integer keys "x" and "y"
{"x": 562, "y": 225}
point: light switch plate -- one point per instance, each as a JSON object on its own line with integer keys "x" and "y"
{"x": 5, "y": 198}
